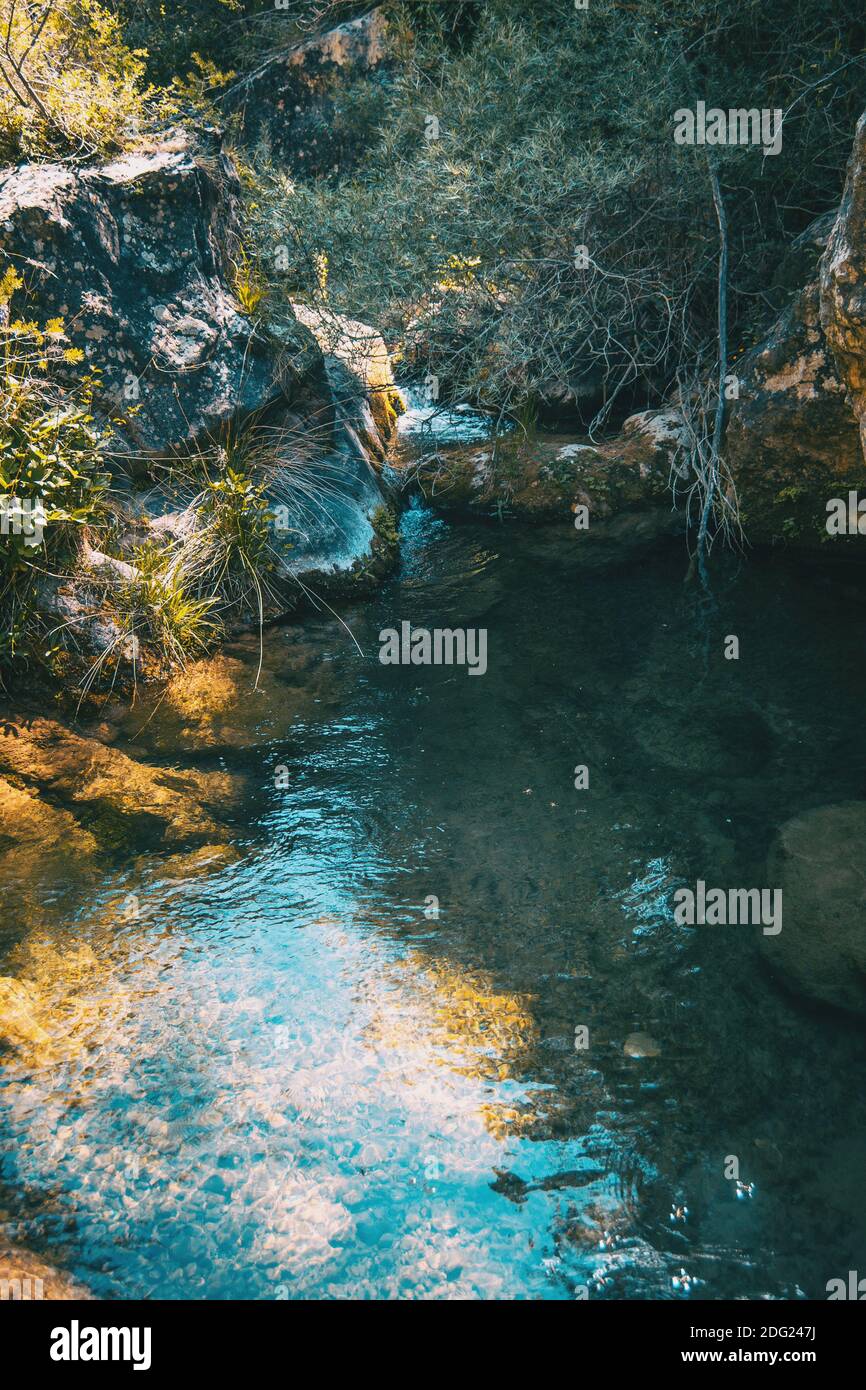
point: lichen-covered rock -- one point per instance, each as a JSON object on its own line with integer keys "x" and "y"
{"x": 76, "y": 608}
{"x": 818, "y": 862}
{"x": 143, "y": 260}
{"x": 292, "y": 102}
{"x": 138, "y": 256}
{"x": 796, "y": 434}
{"x": 792, "y": 439}
{"x": 843, "y": 281}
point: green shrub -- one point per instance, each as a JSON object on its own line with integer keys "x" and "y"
{"x": 52, "y": 466}
{"x": 69, "y": 85}
{"x": 158, "y": 608}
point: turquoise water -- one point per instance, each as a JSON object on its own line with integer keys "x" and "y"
{"x": 293, "y": 1076}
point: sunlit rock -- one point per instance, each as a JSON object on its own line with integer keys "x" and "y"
{"x": 548, "y": 477}
{"x": 137, "y": 254}
{"x": 792, "y": 439}
{"x": 359, "y": 371}
{"x": 122, "y": 801}
{"x": 40, "y": 845}
{"x": 796, "y": 432}
{"x": 26, "y": 820}
{"x": 843, "y": 282}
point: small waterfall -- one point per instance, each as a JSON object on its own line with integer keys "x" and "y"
{"x": 429, "y": 421}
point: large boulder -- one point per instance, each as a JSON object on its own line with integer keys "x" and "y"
{"x": 843, "y": 281}
{"x": 792, "y": 439}
{"x": 294, "y": 103}
{"x": 817, "y": 861}
{"x": 797, "y": 433}
{"x": 141, "y": 258}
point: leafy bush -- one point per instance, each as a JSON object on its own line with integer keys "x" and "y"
{"x": 86, "y": 78}
{"x": 52, "y": 467}
{"x": 69, "y": 84}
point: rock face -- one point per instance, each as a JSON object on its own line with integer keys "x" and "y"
{"x": 143, "y": 259}
{"x": 140, "y": 258}
{"x": 818, "y": 862}
{"x": 792, "y": 440}
{"x": 796, "y": 435}
{"x": 292, "y": 103}
{"x": 843, "y": 281}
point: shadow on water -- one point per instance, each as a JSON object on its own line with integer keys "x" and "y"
{"x": 351, "y": 1062}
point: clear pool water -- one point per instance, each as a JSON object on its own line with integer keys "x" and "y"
{"x": 294, "y": 1076}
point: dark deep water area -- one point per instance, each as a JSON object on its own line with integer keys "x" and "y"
{"x": 296, "y": 1076}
